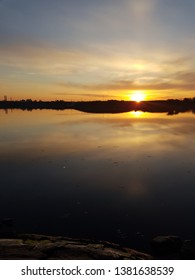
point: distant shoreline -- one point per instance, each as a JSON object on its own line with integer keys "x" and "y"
{"x": 172, "y": 106}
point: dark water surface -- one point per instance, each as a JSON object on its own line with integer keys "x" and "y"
{"x": 118, "y": 177}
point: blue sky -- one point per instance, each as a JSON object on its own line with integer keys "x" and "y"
{"x": 83, "y": 50}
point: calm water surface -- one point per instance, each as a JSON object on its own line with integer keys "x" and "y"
{"x": 118, "y": 177}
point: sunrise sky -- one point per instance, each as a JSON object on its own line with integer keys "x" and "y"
{"x": 97, "y": 49}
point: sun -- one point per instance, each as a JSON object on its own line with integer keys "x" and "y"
{"x": 138, "y": 95}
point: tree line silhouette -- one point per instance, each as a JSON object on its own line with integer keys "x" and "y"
{"x": 170, "y": 106}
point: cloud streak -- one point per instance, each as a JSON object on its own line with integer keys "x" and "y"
{"x": 98, "y": 48}
{"x": 179, "y": 81}
{"x": 84, "y": 95}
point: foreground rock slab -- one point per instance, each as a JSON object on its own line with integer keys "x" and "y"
{"x": 33, "y": 246}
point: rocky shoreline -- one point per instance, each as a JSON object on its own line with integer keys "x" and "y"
{"x": 43, "y": 247}
{"x": 14, "y": 246}
{"x": 34, "y": 246}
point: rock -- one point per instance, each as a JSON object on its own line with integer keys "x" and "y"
{"x": 16, "y": 249}
{"x": 165, "y": 245}
{"x": 33, "y": 246}
{"x": 36, "y": 246}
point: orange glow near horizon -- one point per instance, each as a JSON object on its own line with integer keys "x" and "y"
{"x": 138, "y": 95}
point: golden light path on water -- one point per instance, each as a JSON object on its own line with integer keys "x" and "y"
{"x": 136, "y": 114}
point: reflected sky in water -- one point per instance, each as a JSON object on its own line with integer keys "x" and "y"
{"x": 120, "y": 177}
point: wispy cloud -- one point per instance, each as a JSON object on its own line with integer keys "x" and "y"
{"x": 88, "y": 95}
{"x": 42, "y": 58}
{"x": 99, "y": 69}
{"x": 178, "y": 81}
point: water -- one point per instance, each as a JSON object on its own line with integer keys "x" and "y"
{"x": 118, "y": 177}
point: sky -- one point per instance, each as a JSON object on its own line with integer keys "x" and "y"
{"x": 97, "y": 49}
